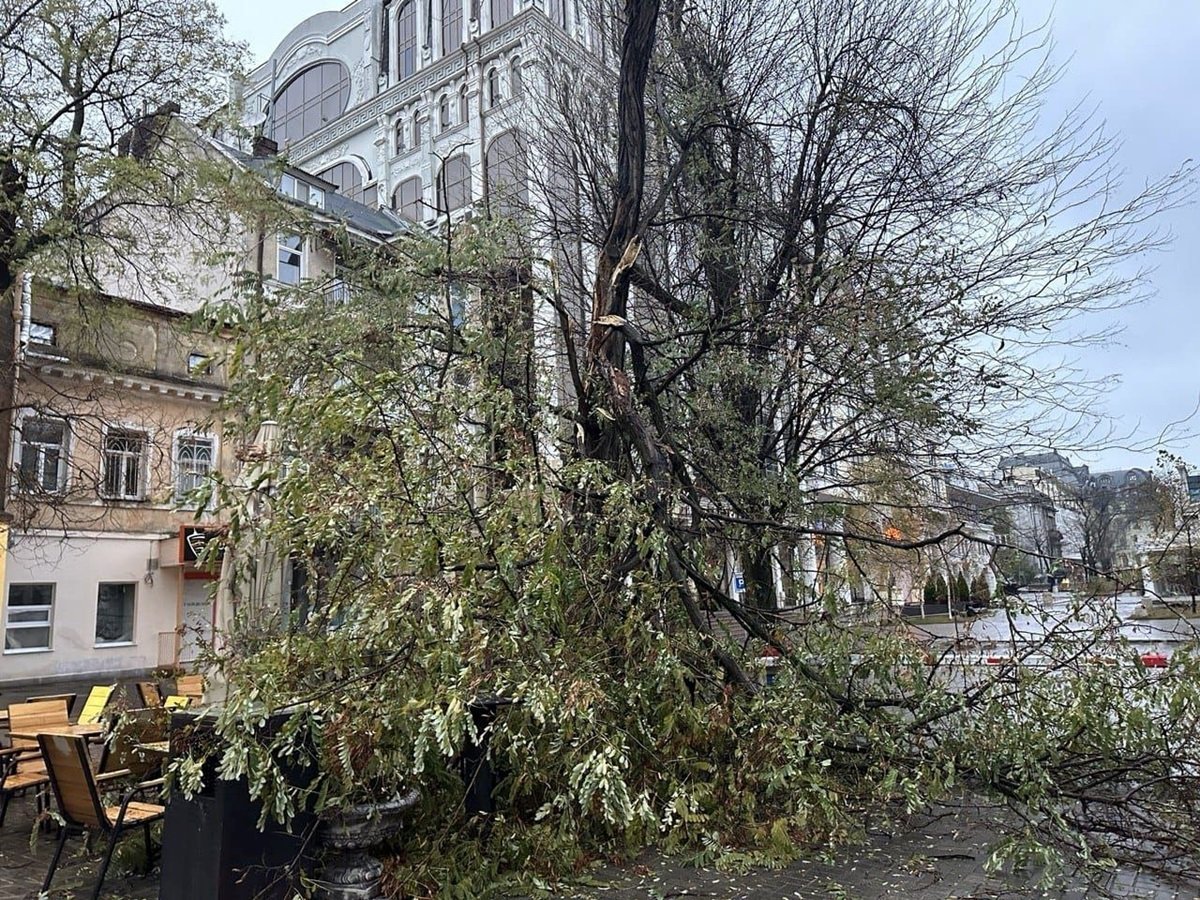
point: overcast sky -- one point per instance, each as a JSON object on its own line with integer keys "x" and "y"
{"x": 1138, "y": 65}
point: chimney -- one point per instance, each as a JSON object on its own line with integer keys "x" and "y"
{"x": 264, "y": 146}
{"x": 146, "y": 132}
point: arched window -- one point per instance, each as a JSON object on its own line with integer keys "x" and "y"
{"x": 464, "y": 111}
{"x": 443, "y": 112}
{"x": 451, "y": 25}
{"x": 507, "y": 177}
{"x": 348, "y": 180}
{"x": 418, "y": 138}
{"x": 516, "y": 77}
{"x": 409, "y": 199}
{"x": 316, "y": 96}
{"x": 454, "y": 184}
{"x": 406, "y": 40}
{"x": 493, "y": 87}
{"x": 401, "y": 136}
{"x": 502, "y": 11}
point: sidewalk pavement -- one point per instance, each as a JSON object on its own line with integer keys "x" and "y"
{"x": 25, "y": 856}
{"x": 925, "y": 859}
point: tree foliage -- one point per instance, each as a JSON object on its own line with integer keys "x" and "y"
{"x": 822, "y": 231}
{"x": 80, "y": 77}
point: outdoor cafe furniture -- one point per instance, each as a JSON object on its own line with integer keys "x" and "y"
{"x": 190, "y": 686}
{"x": 149, "y": 694}
{"x": 28, "y": 733}
{"x": 68, "y": 699}
{"x": 21, "y": 770}
{"x": 95, "y": 705}
{"x": 138, "y": 744}
{"x": 22, "y": 766}
{"x": 25, "y": 720}
{"x": 77, "y": 791}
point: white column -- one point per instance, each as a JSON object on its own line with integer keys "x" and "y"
{"x": 808, "y": 566}
{"x": 837, "y": 571}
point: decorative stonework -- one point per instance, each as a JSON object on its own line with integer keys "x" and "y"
{"x": 300, "y": 58}
{"x": 527, "y": 25}
{"x": 330, "y": 156}
{"x": 367, "y": 63}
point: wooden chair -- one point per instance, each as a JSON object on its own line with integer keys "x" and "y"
{"x": 190, "y": 686}
{"x": 77, "y": 790}
{"x": 34, "y": 716}
{"x": 149, "y": 694}
{"x": 122, "y": 751}
{"x": 68, "y": 699}
{"x": 21, "y": 766}
{"x": 21, "y": 770}
{"x": 95, "y": 704}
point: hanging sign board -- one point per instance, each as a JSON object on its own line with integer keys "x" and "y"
{"x": 193, "y": 540}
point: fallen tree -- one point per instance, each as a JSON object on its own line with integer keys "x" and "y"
{"x": 819, "y": 260}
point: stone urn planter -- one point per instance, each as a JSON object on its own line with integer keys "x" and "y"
{"x": 351, "y": 872}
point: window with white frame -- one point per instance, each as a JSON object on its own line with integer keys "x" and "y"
{"x": 115, "y": 606}
{"x": 493, "y": 88}
{"x": 194, "y": 454}
{"x": 409, "y": 199}
{"x": 444, "y": 112}
{"x": 290, "y": 251}
{"x": 454, "y": 187}
{"x": 42, "y": 333}
{"x": 406, "y": 40}
{"x": 502, "y": 11}
{"x": 42, "y": 459}
{"x": 29, "y": 617}
{"x": 123, "y": 464}
{"x": 452, "y": 15}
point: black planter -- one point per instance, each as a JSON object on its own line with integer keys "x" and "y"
{"x": 212, "y": 847}
{"x": 475, "y": 765}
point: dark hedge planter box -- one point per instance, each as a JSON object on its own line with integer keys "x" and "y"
{"x": 479, "y": 777}
{"x": 212, "y": 848}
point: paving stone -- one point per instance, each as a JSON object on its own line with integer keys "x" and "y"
{"x": 940, "y": 860}
{"x": 23, "y": 864}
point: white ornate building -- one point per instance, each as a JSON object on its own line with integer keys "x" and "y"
{"x": 413, "y": 105}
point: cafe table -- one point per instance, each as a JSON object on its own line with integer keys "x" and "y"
{"x": 85, "y": 731}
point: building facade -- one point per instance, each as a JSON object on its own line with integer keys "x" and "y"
{"x": 115, "y": 435}
{"x": 414, "y": 105}
{"x": 118, "y": 431}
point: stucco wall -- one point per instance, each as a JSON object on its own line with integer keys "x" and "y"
{"x": 76, "y": 566}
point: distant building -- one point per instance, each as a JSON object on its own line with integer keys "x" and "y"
{"x": 1100, "y": 516}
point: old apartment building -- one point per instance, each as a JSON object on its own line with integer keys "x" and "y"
{"x": 117, "y": 431}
